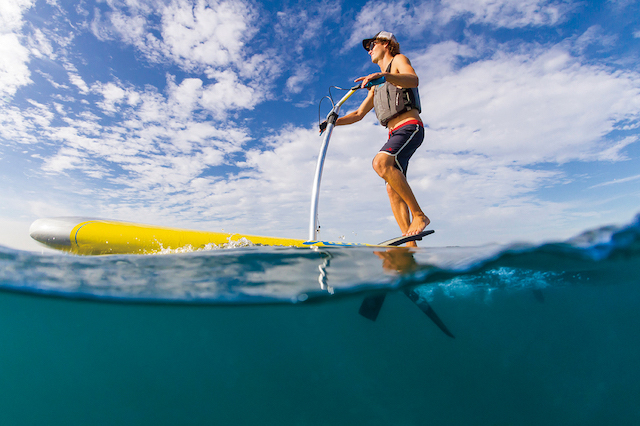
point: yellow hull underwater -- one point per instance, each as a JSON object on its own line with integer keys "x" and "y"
{"x": 96, "y": 237}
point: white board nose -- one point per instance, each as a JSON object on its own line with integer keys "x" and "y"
{"x": 54, "y": 231}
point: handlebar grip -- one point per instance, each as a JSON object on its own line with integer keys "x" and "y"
{"x": 375, "y": 82}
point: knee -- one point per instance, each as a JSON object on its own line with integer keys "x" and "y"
{"x": 380, "y": 164}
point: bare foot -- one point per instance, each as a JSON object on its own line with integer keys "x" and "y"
{"x": 418, "y": 224}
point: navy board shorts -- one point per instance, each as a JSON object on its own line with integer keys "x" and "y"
{"x": 403, "y": 142}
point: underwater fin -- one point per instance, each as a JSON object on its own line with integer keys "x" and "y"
{"x": 371, "y": 306}
{"x": 428, "y": 310}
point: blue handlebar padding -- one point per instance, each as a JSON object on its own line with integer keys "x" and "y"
{"x": 375, "y": 82}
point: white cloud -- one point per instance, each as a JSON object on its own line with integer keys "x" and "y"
{"x": 112, "y": 96}
{"x": 67, "y": 159}
{"x": 40, "y": 46}
{"x": 301, "y": 77}
{"x": 210, "y": 33}
{"x": 14, "y": 57}
{"x": 147, "y": 148}
{"x": 413, "y": 18}
{"x": 378, "y": 15}
{"x": 616, "y": 181}
{"x": 228, "y": 94}
{"x": 303, "y": 26}
{"x": 528, "y": 108}
{"x": 20, "y": 126}
{"x": 11, "y": 14}
{"x": 594, "y": 36}
{"x": 208, "y": 36}
{"x": 76, "y": 79}
{"x": 207, "y": 33}
{"x": 507, "y": 13}
{"x": 442, "y": 59}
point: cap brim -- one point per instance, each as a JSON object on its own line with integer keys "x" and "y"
{"x": 365, "y": 43}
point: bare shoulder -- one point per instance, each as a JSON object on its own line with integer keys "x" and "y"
{"x": 401, "y": 58}
{"x": 402, "y": 64}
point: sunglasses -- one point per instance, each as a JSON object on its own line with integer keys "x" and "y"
{"x": 371, "y": 45}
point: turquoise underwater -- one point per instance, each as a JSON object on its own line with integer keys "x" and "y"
{"x": 494, "y": 335}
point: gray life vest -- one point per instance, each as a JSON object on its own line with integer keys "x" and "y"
{"x": 390, "y": 101}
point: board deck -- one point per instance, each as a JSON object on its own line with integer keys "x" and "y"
{"x": 405, "y": 239}
{"x": 98, "y": 236}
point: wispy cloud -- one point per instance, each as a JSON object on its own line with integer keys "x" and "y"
{"x": 507, "y": 13}
{"x": 144, "y": 140}
{"x": 616, "y": 181}
{"x": 413, "y": 18}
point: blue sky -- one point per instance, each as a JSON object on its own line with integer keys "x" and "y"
{"x": 203, "y": 114}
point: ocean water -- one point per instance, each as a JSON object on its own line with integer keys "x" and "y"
{"x": 495, "y": 335}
